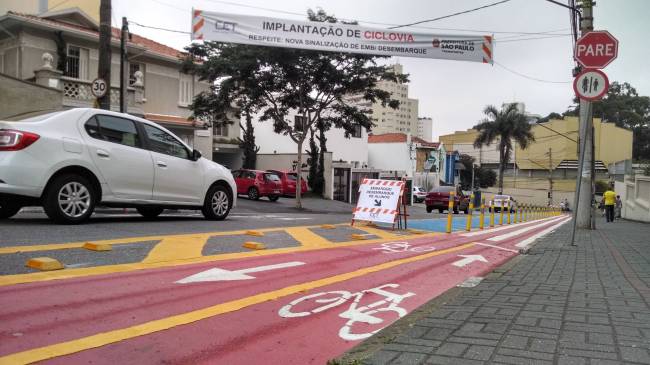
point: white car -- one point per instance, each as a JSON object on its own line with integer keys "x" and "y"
{"x": 71, "y": 161}
{"x": 509, "y": 203}
{"x": 419, "y": 194}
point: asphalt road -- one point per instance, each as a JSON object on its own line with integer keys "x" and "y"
{"x": 33, "y": 227}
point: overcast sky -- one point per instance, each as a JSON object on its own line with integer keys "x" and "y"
{"x": 453, "y": 93}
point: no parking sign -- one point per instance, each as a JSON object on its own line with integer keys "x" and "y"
{"x": 378, "y": 200}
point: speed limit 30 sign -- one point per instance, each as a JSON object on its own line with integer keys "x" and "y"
{"x": 98, "y": 87}
{"x": 591, "y": 84}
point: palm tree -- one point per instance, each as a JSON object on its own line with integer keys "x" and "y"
{"x": 504, "y": 125}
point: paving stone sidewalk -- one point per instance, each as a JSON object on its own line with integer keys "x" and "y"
{"x": 588, "y": 304}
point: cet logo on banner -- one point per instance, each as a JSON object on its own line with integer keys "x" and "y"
{"x": 378, "y": 200}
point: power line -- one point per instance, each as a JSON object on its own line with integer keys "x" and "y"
{"x": 157, "y": 28}
{"x": 279, "y": 11}
{"x": 451, "y": 15}
{"x": 530, "y": 77}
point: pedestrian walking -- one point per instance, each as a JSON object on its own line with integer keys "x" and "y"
{"x": 618, "y": 207}
{"x": 609, "y": 200}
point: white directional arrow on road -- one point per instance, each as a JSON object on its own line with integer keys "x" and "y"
{"x": 218, "y": 274}
{"x": 468, "y": 259}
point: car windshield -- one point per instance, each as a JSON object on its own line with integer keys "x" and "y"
{"x": 502, "y": 197}
{"x": 292, "y": 177}
{"x": 272, "y": 177}
{"x": 444, "y": 189}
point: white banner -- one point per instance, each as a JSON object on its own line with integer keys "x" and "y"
{"x": 337, "y": 37}
{"x": 378, "y": 200}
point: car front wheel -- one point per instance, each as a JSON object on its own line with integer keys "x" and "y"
{"x": 253, "y": 194}
{"x": 8, "y": 209}
{"x": 150, "y": 212}
{"x": 69, "y": 199}
{"x": 217, "y": 203}
{"x": 429, "y": 209}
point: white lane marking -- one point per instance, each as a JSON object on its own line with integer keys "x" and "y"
{"x": 218, "y": 274}
{"x": 468, "y": 259}
{"x": 531, "y": 239}
{"x": 494, "y": 246}
{"x": 490, "y": 230}
{"x": 517, "y": 232}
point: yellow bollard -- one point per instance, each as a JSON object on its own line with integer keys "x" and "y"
{"x": 492, "y": 213}
{"x": 508, "y": 212}
{"x": 516, "y": 212}
{"x": 470, "y": 210}
{"x": 450, "y": 211}
{"x": 501, "y": 214}
{"x": 521, "y": 215}
{"x": 482, "y": 215}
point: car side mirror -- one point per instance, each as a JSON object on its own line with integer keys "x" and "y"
{"x": 196, "y": 154}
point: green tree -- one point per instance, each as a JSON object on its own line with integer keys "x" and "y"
{"x": 504, "y": 126}
{"x": 486, "y": 177}
{"x": 284, "y": 82}
{"x": 624, "y": 106}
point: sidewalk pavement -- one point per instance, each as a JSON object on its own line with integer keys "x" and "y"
{"x": 588, "y": 304}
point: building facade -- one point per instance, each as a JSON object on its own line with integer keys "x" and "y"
{"x": 388, "y": 120}
{"x": 59, "y": 50}
{"x": 425, "y": 128}
{"x": 553, "y": 155}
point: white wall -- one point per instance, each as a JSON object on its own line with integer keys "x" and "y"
{"x": 347, "y": 149}
{"x": 635, "y": 194}
{"x": 390, "y": 156}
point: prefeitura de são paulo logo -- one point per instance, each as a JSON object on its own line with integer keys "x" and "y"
{"x": 435, "y": 43}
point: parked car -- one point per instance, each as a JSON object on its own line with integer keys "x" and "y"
{"x": 419, "y": 194}
{"x": 70, "y": 161}
{"x": 438, "y": 198}
{"x": 258, "y": 183}
{"x": 288, "y": 180}
{"x": 508, "y": 202}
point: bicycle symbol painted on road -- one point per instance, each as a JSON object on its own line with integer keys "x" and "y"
{"x": 365, "y": 316}
{"x": 397, "y": 247}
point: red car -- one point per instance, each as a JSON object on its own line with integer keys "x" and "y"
{"x": 288, "y": 179}
{"x": 438, "y": 198}
{"x": 257, "y": 183}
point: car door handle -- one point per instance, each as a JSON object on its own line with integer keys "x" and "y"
{"x": 161, "y": 164}
{"x": 102, "y": 153}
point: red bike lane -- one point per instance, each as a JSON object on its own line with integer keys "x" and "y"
{"x": 423, "y": 267}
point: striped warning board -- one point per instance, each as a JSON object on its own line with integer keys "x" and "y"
{"x": 378, "y": 200}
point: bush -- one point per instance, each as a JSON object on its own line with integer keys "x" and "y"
{"x": 601, "y": 186}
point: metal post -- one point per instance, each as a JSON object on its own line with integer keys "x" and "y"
{"x": 501, "y": 214}
{"x": 104, "y": 62}
{"x": 508, "y": 211}
{"x": 124, "y": 66}
{"x": 450, "y": 211}
{"x": 468, "y": 225}
{"x": 515, "y": 213}
{"x": 492, "y": 212}
{"x": 482, "y": 215}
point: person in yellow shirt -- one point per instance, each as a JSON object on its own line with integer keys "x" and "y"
{"x": 609, "y": 198}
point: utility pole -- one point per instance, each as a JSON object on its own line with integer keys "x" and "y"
{"x": 584, "y": 193}
{"x": 124, "y": 65}
{"x": 550, "y": 176}
{"x": 104, "y": 66}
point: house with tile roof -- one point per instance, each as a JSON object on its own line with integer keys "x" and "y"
{"x": 68, "y": 39}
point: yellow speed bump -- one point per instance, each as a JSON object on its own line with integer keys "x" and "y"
{"x": 327, "y": 226}
{"x": 44, "y": 264}
{"x": 254, "y": 245}
{"x": 361, "y": 236}
{"x": 97, "y": 246}
{"x": 255, "y": 233}
{"x": 415, "y": 231}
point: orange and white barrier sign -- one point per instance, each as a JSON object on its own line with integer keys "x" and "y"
{"x": 378, "y": 200}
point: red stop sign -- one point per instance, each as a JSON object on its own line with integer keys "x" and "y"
{"x": 596, "y": 49}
